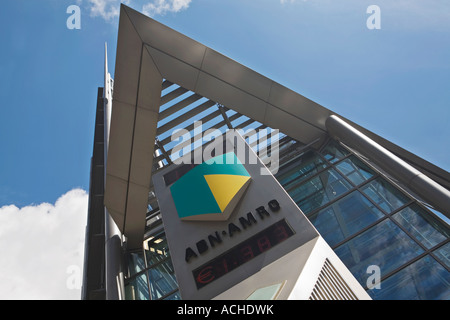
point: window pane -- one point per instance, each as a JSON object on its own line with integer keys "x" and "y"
{"x": 425, "y": 279}
{"x": 136, "y": 263}
{"x": 305, "y": 166}
{"x": 162, "y": 280}
{"x": 345, "y": 217}
{"x": 355, "y": 170}
{"x": 137, "y": 288}
{"x": 384, "y": 245}
{"x": 334, "y": 152}
{"x": 156, "y": 249}
{"x": 421, "y": 225}
{"x": 385, "y": 195}
{"x": 319, "y": 190}
{"x": 443, "y": 254}
{"x": 326, "y": 223}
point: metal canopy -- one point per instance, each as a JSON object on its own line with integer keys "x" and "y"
{"x": 162, "y": 80}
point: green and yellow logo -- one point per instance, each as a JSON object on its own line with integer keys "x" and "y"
{"x": 211, "y": 190}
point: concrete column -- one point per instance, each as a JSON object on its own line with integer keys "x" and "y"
{"x": 113, "y": 260}
{"x": 113, "y": 238}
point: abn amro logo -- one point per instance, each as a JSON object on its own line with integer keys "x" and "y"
{"x": 211, "y": 190}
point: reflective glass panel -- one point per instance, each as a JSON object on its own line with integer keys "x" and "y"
{"x": 355, "y": 170}
{"x": 327, "y": 224}
{"x": 162, "y": 280}
{"x": 384, "y": 245}
{"x": 136, "y": 263}
{"x": 443, "y": 254}
{"x": 334, "y": 152}
{"x": 345, "y": 217}
{"x": 421, "y": 225}
{"x": 137, "y": 288}
{"x": 385, "y": 195}
{"x": 304, "y": 167}
{"x": 425, "y": 279}
{"x": 319, "y": 190}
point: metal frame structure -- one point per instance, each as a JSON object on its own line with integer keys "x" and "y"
{"x": 386, "y": 215}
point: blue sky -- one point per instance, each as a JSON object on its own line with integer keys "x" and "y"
{"x": 394, "y": 81}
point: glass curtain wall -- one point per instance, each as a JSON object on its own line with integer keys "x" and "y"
{"x": 150, "y": 272}
{"x": 369, "y": 221}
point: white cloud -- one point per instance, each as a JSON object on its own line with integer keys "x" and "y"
{"x": 161, "y": 7}
{"x": 39, "y": 245}
{"x": 110, "y": 9}
{"x": 107, "y": 9}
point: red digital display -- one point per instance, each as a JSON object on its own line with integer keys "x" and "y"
{"x": 242, "y": 253}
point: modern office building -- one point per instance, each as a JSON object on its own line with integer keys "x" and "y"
{"x": 328, "y": 210}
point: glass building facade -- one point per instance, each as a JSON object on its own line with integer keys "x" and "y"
{"x": 370, "y": 219}
{"x": 371, "y": 223}
{"x": 150, "y": 272}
